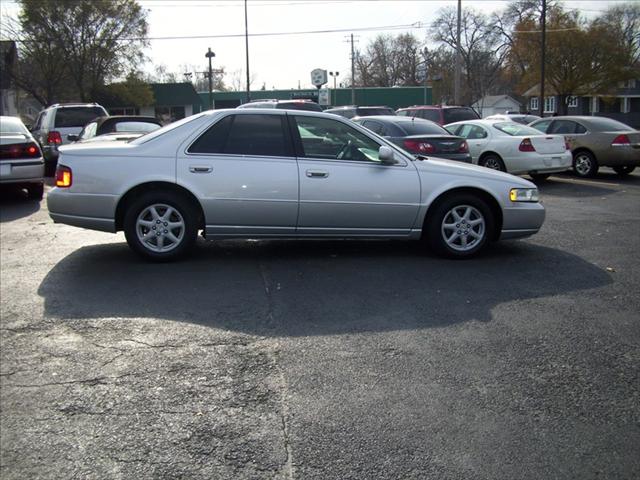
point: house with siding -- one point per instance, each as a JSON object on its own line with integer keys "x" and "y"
{"x": 622, "y": 105}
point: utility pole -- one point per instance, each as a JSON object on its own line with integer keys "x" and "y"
{"x": 543, "y": 21}
{"x": 334, "y": 75}
{"x": 353, "y": 71}
{"x": 210, "y": 55}
{"x": 246, "y": 42}
{"x": 456, "y": 78}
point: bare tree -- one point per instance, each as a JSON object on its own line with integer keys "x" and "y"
{"x": 483, "y": 54}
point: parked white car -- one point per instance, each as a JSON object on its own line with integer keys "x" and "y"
{"x": 514, "y": 148}
{"x": 268, "y": 173}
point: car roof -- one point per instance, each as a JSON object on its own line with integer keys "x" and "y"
{"x": 433, "y": 107}
{"x": 394, "y": 119}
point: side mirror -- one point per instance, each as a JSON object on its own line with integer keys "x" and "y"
{"x": 386, "y": 155}
{"x": 72, "y": 137}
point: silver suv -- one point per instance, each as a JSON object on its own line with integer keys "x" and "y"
{"x": 54, "y": 123}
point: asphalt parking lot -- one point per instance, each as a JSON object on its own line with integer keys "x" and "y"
{"x": 326, "y": 360}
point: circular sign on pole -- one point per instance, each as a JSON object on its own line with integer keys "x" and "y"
{"x": 318, "y": 77}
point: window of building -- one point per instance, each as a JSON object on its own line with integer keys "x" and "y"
{"x": 550, "y": 104}
{"x": 572, "y": 102}
{"x": 170, "y": 114}
{"x": 534, "y": 103}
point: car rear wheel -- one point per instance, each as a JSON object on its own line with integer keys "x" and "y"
{"x": 36, "y": 192}
{"x": 585, "y": 164}
{"x": 460, "y": 226}
{"x": 160, "y": 226}
{"x": 493, "y": 162}
{"x": 624, "y": 169}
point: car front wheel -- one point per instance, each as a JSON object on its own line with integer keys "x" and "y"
{"x": 160, "y": 226}
{"x": 585, "y": 164}
{"x": 460, "y": 226}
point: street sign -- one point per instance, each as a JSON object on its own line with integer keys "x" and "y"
{"x": 318, "y": 77}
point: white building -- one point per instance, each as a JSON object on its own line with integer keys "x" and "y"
{"x": 496, "y": 105}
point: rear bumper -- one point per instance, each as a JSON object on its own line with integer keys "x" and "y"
{"x": 620, "y": 156}
{"x": 25, "y": 171}
{"x": 95, "y": 212}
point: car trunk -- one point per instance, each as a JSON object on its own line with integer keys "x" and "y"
{"x": 439, "y": 143}
{"x": 548, "y": 144}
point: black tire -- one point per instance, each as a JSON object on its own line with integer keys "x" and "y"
{"x": 183, "y": 213}
{"x": 36, "y": 191}
{"x": 494, "y": 162}
{"x": 585, "y": 164}
{"x": 436, "y": 234}
{"x": 539, "y": 177}
{"x": 624, "y": 170}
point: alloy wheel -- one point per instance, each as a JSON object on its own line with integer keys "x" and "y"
{"x": 463, "y": 227}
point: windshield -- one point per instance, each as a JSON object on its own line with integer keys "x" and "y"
{"x": 366, "y": 112}
{"x": 167, "y": 128}
{"x": 515, "y": 129}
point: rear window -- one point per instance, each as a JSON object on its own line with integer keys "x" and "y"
{"x": 308, "y": 106}
{"x": 9, "y": 126}
{"x": 602, "y": 124}
{"x": 136, "y": 127}
{"x": 515, "y": 129}
{"x": 76, "y": 116}
{"x": 452, "y": 115}
{"x": 422, "y": 128}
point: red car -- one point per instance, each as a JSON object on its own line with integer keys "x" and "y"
{"x": 441, "y": 114}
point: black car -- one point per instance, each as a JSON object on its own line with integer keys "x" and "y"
{"x": 418, "y": 136}
{"x": 351, "y": 111}
{"x": 131, "y": 126}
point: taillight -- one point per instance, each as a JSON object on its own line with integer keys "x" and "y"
{"x": 21, "y": 150}
{"x": 621, "y": 140}
{"x": 63, "y": 177}
{"x": 526, "y": 146}
{"x": 54, "y": 137}
{"x": 418, "y": 146}
{"x": 464, "y": 147}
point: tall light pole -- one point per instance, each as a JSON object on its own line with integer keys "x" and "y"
{"x": 210, "y": 55}
{"x": 543, "y": 21}
{"x": 456, "y": 79}
{"x": 334, "y": 75}
{"x": 246, "y": 44}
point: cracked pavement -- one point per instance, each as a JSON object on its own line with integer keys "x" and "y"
{"x": 325, "y": 360}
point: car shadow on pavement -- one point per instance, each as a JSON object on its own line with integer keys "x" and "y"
{"x": 293, "y": 288}
{"x": 15, "y": 204}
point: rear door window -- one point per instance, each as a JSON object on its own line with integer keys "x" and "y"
{"x": 563, "y": 126}
{"x": 428, "y": 114}
{"x": 76, "y": 116}
{"x": 472, "y": 131}
{"x": 256, "y": 135}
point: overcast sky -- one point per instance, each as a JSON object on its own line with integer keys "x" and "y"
{"x": 284, "y": 61}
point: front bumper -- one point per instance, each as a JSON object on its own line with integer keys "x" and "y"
{"x": 521, "y": 220}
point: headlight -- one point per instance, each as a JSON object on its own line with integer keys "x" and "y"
{"x": 523, "y": 195}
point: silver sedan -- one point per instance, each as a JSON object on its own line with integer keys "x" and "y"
{"x": 271, "y": 174}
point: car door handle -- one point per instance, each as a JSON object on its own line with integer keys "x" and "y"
{"x": 200, "y": 169}
{"x": 317, "y": 174}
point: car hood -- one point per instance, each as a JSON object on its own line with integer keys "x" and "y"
{"x": 459, "y": 169}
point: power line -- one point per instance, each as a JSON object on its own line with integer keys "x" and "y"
{"x": 415, "y": 25}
